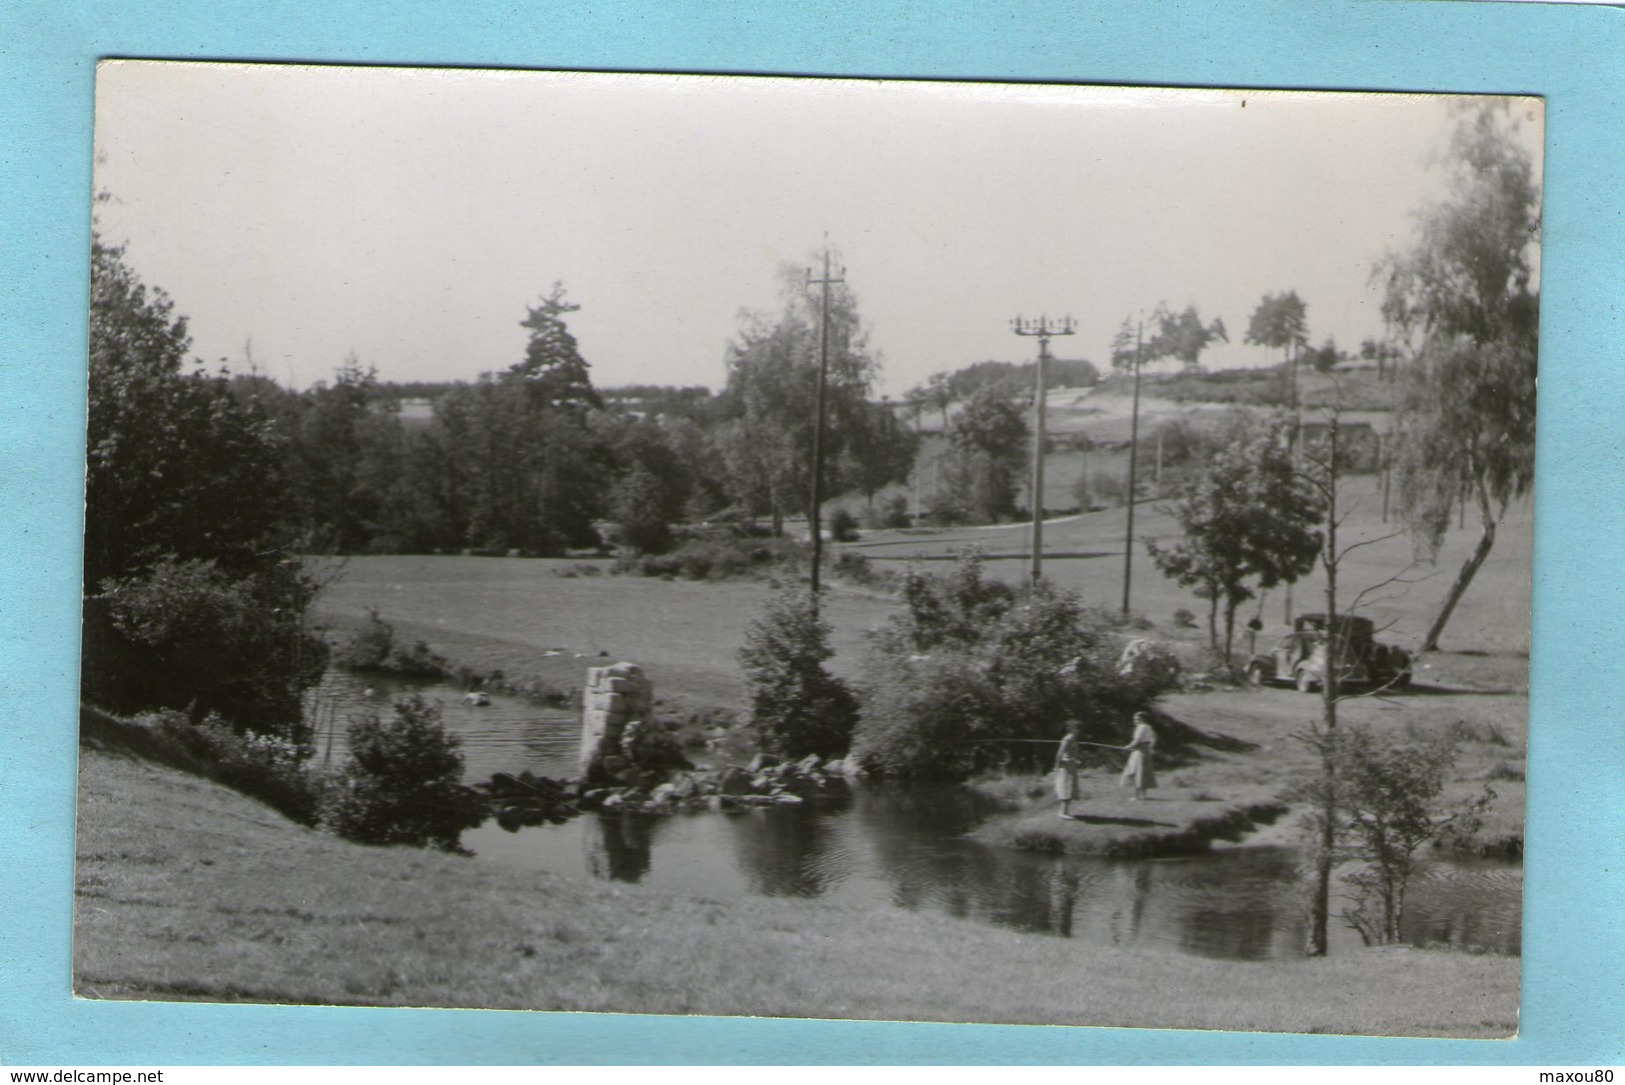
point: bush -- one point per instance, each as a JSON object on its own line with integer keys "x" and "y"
{"x": 189, "y": 635}
{"x": 857, "y": 569}
{"x": 1108, "y": 489}
{"x": 890, "y": 514}
{"x": 795, "y": 706}
{"x": 401, "y": 783}
{"x": 368, "y": 647}
{"x": 843, "y": 526}
{"x": 925, "y": 717}
{"x": 1387, "y": 803}
{"x": 373, "y": 648}
{"x": 973, "y": 674}
{"x": 716, "y": 558}
{"x": 266, "y": 767}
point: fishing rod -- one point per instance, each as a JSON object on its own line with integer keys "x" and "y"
{"x": 1039, "y": 741}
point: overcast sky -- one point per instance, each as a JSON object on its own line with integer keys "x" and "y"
{"x": 411, "y": 216}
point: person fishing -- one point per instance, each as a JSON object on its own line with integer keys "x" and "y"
{"x": 1138, "y": 773}
{"x": 1066, "y": 771}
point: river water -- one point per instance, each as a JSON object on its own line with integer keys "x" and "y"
{"x": 904, "y": 846}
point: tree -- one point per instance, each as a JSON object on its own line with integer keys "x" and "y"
{"x": 1128, "y": 346}
{"x": 938, "y": 394}
{"x": 554, "y": 372}
{"x": 1467, "y": 296}
{"x": 1388, "y": 804}
{"x": 771, "y": 395}
{"x": 190, "y": 598}
{"x": 517, "y": 460}
{"x": 1324, "y": 358}
{"x": 796, "y": 707}
{"x": 1247, "y": 521}
{"x": 1322, "y": 469}
{"x": 176, "y": 464}
{"x": 1183, "y": 335}
{"x": 881, "y": 452}
{"x": 1281, "y": 321}
{"x": 346, "y": 458}
{"x": 636, "y": 505}
{"x": 402, "y": 782}
{"x": 989, "y": 439}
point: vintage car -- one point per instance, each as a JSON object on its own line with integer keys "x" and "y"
{"x": 1300, "y": 659}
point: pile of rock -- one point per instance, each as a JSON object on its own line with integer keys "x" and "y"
{"x": 629, "y": 763}
{"x": 527, "y": 799}
{"x": 766, "y": 781}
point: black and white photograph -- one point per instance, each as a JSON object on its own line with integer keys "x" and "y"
{"x": 742, "y": 546}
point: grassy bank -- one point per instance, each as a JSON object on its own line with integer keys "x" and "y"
{"x": 187, "y": 890}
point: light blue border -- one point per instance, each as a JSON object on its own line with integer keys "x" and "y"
{"x": 1572, "y": 1004}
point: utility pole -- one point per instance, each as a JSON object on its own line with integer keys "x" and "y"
{"x": 813, "y": 517}
{"x": 1297, "y": 456}
{"x": 1043, "y": 329}
{"x": 919, "y": 468}
{"x": 1133, "y": 461}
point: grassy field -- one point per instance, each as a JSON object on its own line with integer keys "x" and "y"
{"x": 189, "y": 891}
{"x": 521, "y": 616}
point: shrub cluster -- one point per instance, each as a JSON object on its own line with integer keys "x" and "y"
{"x": 796, "y": 707}
{"x": 373, "y": 648}
{"x": 715, "y": 558}
{"x": 271, "y": 769}
{"x": 188, "y": 634}
{"x": 889, "y": 514}
{"x": 402, "y": 782}
{"x": 974, "y": 674}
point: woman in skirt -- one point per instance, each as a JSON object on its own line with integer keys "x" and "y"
{"x": 1138, "y": 773}
{"x": 1066, "y": 771}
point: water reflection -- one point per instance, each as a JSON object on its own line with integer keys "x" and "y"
{"x": 787, "y": 852}
{"x": 621, "y": 848}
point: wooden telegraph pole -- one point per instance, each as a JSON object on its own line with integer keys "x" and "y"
{"x": 813, "y": 517}
{"x": 1043, "y": 329}
{"x": 1133, "y": 463}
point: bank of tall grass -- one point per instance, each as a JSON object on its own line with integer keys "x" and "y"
{"x": 187, "y": 890}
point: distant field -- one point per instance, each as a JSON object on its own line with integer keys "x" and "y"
{"x": 520, "y": 615}
{"x": 1085, "y": 553}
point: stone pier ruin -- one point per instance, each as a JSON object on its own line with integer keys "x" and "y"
{"x": 614, "y": 697}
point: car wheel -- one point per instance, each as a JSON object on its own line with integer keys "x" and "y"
{"x": 1306, "y": 681}
{"x": 1255, "y": 674}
